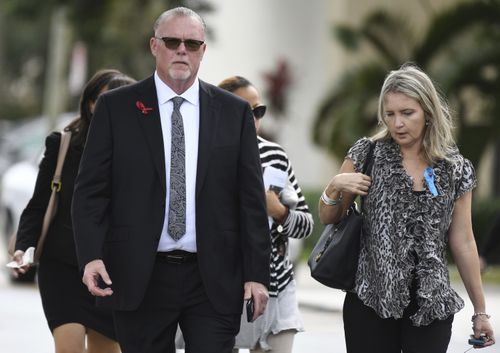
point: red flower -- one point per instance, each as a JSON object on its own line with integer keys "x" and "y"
{"x": 142, "y": 107}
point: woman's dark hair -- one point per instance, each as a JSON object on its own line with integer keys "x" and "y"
{"x": 234, "y": 83}
{"x": 103, "y": 80}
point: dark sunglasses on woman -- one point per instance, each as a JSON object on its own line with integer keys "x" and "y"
{"x": 259, "y": 111}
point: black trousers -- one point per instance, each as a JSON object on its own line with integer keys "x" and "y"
{"x": 365, "y": 331}
{"x": 175, "y": 296}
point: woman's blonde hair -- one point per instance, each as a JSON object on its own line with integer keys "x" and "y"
{"x": 411, "y": 81}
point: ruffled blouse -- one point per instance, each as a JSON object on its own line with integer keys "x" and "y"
{"x": 405, "y": 234}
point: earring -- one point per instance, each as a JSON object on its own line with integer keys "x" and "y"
{"x": 427, "y": 123}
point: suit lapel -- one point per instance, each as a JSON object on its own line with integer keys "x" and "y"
{"x": 150, "y": 123}
{"x": 209, "y": 118}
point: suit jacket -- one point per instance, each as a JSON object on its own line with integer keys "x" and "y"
{"x": 119, "y": 198}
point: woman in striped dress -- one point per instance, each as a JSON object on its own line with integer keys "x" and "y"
{"x": 289, "y": 218}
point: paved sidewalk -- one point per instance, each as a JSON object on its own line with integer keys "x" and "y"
{"x": 21, "y": 313}
{"x": 314, "y": 295}
{"x": 311, "y": 294}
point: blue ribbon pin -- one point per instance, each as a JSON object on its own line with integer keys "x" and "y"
{"x": 429, "y": 179}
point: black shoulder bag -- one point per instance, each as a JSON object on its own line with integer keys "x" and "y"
{"x": 334, "y": 259}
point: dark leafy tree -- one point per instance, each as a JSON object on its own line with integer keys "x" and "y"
{"x": 459, "y": 50}
{"x": 115, "y": 32}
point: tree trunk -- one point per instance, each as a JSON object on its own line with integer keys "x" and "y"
{"x": 55, "y": 96}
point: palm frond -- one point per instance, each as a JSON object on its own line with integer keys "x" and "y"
{"x": 454, "y": 22}
{"x": 342, "y": 117}
{"x": 387, "y": 35}
{"x": 348, "y": 37}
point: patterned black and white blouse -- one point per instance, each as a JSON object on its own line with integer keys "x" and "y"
{"x": 298, "y": 224}
{"x": 405, "y": 235}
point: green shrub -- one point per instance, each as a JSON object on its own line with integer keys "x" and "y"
{"x": 312, "y": 198}
{"x": 484, "y": 213}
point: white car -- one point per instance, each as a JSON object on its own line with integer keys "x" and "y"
{"x": 17, "y": 188}
{"x": 25, "y": 144}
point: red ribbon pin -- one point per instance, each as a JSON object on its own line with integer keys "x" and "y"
{"x": 142, "y": 107}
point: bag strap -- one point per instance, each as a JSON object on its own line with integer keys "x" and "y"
{"x": 63, "y": 149}
{"x": 55, "y": 185}
{"x": 368, "y": 164}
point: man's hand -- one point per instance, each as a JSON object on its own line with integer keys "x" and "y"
{"x": 260, "y": 295}
{"x": 94, "y": 271}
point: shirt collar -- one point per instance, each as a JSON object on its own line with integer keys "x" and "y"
{"x": 165, "y": 93}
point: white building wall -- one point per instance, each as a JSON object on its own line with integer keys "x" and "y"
{"x": 251, "y": 36}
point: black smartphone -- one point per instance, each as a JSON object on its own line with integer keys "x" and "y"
{"x": 479, "y": 342}
{"x": 250, "y": 308}
{"x": 275, "y": 189}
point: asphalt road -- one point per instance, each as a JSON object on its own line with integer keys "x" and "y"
{"x": 23, "y": 328}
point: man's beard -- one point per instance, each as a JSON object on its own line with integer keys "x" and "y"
{"x": 180, "y": 75}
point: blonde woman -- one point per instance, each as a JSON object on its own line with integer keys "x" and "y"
{"x": 417, "y": 202}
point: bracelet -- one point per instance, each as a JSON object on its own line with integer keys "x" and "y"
{"x": 478, "y": 315}
{"x": 331, "y": 202}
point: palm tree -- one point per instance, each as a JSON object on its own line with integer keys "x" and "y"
{"x": 459, "y": 51}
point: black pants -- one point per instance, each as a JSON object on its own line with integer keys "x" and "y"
{"x": 175, "y": 296}
{"x": 365, "y": 331}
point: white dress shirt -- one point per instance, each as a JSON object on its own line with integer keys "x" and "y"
{"x": 190, "y": 111}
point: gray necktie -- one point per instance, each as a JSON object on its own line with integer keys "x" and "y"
{"x": 177, "y": 206}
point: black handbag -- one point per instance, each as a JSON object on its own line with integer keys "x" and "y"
{"x": 334, "y": 259}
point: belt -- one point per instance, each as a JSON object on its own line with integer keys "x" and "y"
{"x": 176, "y": 256}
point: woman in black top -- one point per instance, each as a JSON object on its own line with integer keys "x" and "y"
{"x": 69, "y": 308}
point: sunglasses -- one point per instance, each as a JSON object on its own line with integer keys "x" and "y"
{"x": 259, "y": 111}
{"x": 173, "y": 43}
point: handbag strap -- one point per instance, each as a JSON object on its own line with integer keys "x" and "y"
{"x": 55, "y": 185}
{"x": 368, "y": 164}
{"x": 63, "y": 149}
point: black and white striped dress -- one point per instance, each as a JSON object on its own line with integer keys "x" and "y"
{"x": 298, "y": 224}
{"x": 282, "y": 310}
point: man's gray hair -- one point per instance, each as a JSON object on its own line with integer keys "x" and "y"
{"x": 178, "y": 12}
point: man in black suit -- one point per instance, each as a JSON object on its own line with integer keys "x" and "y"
{"x": 169, "y": 205}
